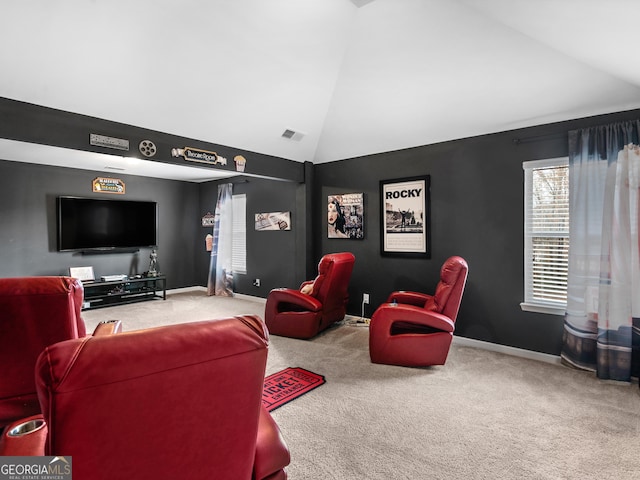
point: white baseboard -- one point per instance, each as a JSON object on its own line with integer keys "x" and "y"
{"x": 185, "y": 289}
{"x": 242, "y": 296}
{"x": 517, "y": 352}
{"x": 494, "y": 347}
{"x": 461, "y": 341}
{"x": 204, "y": 289}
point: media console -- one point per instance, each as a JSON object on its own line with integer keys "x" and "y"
{"x": 128, "y": 290}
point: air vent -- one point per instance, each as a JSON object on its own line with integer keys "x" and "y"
{"x": 360, "y": 3}
{"x": 292, "y": 135}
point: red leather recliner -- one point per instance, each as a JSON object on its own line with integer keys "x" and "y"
{"x": 415, "y": 329}
{"x": 34, "y": 312}
{"x": 181, "y": 401}
{"x": 291, "y": 313}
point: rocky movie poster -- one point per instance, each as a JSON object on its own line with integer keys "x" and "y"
{"x": 345, "y": 216}
{"x": 405, "y": 216}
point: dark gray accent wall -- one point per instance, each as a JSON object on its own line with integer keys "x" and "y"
{"x": 28, "y": 195}
{"x": 477, "y": 212}
{"x": 277, "y": 258}
{"x": 48, "y": 126}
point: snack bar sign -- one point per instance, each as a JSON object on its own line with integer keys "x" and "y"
{"x": 108, "y": 185}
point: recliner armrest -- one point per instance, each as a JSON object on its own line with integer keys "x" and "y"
{"x": 409, "y": 298}
{"x": 272, "y": 453}
{"x": 295, "y": 297}
{"x": 389, "y": 313}
{"x": 24, "y": 438}
{"x": 109, "y": 327}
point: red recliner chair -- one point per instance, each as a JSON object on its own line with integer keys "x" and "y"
{"x": 35, "y": 312}
{"x": 415, "y": 329}
{"x": 292, "y": 313}
{"x": 181, "y": 401}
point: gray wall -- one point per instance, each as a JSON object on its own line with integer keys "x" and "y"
{"x": 28, "y": 227}
{"x": 277, "y": 258}
{"x": 28, "y": 223}
{"x": 477, "y": 211}
{"x": 28, "y": 193}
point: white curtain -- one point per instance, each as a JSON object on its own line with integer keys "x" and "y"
{"x": 602, "y": 321}
{"x": 220, "y": 280}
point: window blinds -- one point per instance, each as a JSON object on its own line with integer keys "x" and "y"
{"x": 546, "y": 231}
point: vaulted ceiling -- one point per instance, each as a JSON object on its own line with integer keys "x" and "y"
{"x": 349, "y": 77}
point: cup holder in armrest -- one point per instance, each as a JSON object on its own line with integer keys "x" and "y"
{"x": 26, "y": 428}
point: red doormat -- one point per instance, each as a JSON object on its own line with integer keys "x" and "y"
{"x": 287, "y": 385}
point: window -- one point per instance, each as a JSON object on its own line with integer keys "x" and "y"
{"x": 239, "y": 234}
{"x": 546, "y": 235}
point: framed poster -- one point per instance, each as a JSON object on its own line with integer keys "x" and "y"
{"x": 345, "y": 216}
{"x": 405, "y": 217}
{"x": 273, "y": 221}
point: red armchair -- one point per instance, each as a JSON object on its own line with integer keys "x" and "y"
{"x": 181, "y": 401}
{"x": 292, "y": 313}
{"x": 415, "y": 329}
{"x": 34, "y": 312}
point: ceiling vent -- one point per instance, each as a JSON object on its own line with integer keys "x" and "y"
{"x": 360, "y": 3}
{"x": 292, "y": 135}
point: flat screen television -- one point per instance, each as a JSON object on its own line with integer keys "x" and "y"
{"x": 92, "y": 224}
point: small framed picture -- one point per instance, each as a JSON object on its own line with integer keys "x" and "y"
{"x": 273, "y": 221}
{"x": 345, "y": 216}
{"x": 405, "y": 212}
{"x": 84, "y": 274}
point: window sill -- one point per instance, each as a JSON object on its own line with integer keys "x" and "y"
{"x": 538, "y": 308}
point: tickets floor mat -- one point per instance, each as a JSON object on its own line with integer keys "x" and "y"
{"x": 287, "y": 385}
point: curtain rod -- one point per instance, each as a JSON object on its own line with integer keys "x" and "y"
{"x": 540, "y": 138}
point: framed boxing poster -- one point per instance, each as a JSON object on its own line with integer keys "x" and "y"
{"x": 405, "y": 217}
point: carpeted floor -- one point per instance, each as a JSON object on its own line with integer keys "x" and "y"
{"x": 484, "y": 415}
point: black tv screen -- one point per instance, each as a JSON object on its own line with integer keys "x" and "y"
{"x": 99, "y": 224}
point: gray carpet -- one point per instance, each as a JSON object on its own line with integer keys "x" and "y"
{"x": 484, "y": 415}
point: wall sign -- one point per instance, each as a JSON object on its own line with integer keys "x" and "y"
{"x": 405, "y": 217}
{"x": 197, "y": 155}
{"x": 208, "y": 220}
{"x": 108, "y": 142}
{"x": 108, "y": 185}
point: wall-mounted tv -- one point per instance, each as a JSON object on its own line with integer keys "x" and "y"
{"x": 92, "y": 224}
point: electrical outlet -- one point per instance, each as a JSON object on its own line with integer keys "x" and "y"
{"x": 365, "y": 298}
{"x": 256, "y": 282}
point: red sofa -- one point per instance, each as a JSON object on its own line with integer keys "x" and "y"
{"x": 291, "y": 313}
{"x": 35, "y": 312}
{"x": 182, "y": 401}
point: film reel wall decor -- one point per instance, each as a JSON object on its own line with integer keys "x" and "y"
{"x": 147, "y": 148}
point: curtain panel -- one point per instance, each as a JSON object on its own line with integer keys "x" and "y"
{"x": 220, "y": 281}
{"x": 602, "y": 321}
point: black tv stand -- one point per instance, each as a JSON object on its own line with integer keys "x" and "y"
{"x": 128, "y": 290}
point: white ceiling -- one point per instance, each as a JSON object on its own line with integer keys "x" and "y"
{"x": 356, "y": 77}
